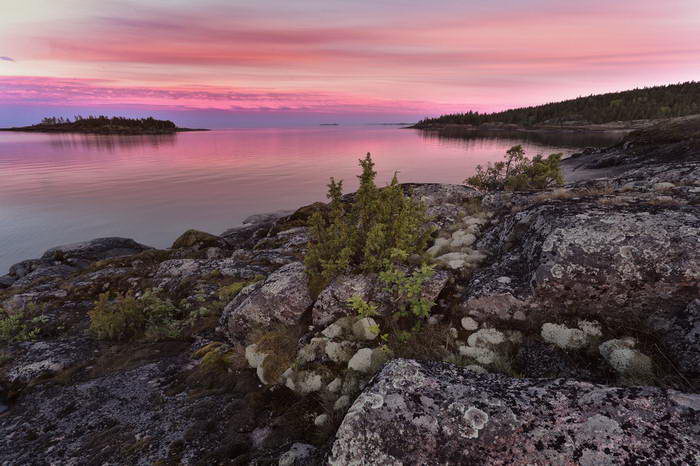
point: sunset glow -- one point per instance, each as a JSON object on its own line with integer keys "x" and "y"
{"x": 210, "y": 61}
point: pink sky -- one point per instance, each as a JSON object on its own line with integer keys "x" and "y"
{"x": 221, "y": 62}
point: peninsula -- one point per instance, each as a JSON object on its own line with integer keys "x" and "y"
{"x": 103, "y": 125}
{"x": 615, "y": 111}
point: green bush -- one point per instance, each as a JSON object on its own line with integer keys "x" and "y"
{"x": 364, "y": 235}
{"x": 518, "y": 173}
{"x": 126, "y": 317}
{"x": 21, "y": 325}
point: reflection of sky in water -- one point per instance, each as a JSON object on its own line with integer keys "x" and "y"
{"x": 60, "y": 188}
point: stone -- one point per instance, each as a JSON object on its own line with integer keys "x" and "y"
{"x": 58, "y": 271}
{"x": 196, "y": 239}
{"x": 559, "y": 248}
{"x": 335, "y": 385}
{"x": 365, "y": 329}
{"x": 456, "y": 416}
{"x": 368, "y": 360}
{"x": 361, "y": 361}
{"x": 332, "y": 302}
{"x": 321, "y": 420}
{"x": 282, "y": 298}
{"x": 6, "y": 281}
{"x": 332, "y": 331}
{"x": 94, "y": 250}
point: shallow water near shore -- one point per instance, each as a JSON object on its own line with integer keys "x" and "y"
{"x": 63, "y": 188}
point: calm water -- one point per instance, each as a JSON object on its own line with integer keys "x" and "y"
{"x": 57, "y": 189}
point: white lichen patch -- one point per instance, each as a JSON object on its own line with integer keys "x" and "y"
{"x": 340, "y": 352}
{"x": 626, "y": 360}
{"x": 254, "y": 357}
{"x": 480, "y": 355}
{"x": 469, "y": 324}
{"x": 486, "y": 338}
{"x": 571, "y": 338}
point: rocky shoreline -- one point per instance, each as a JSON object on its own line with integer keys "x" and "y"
{"x": 565, "y": 330}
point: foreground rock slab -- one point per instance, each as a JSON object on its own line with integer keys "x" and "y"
{"x": 435, "y": 413}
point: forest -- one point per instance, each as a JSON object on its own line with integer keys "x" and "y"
{"x": 668, "y": 101}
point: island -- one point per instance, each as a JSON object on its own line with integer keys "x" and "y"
{"x": 103, "y": 125}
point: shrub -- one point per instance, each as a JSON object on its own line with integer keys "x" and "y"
{"x": 21, "y": 325}
{"x": 411, "y": 309}
{"x": 518, "y": 173}
{"x": 126, "y": 317}
{"x": 363, "y": 235}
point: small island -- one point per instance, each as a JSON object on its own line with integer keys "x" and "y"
{"x": 103, "y": 125}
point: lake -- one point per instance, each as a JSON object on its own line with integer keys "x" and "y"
{"x": 63, "y": 188}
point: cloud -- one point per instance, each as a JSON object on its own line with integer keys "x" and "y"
{"x": 7, "y": 59}
{"x": 48, "y": 91}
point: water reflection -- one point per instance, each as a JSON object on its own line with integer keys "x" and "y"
{"x": 108, "y": 142}
{"x": 470, "y": 138}
{"x": 62, "y": 188}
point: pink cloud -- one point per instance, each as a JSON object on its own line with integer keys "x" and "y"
{"x": 47, "y": 91}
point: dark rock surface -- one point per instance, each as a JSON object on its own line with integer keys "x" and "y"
{"x": 676, "y": 140}
{"x": 683, "y": 337}
{"x": 94, "y": 250}
{"x": 433, "y": 413}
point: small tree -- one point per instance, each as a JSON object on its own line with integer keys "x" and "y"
{"x": 518, "y": 173}
{"x": 364, "y": 235}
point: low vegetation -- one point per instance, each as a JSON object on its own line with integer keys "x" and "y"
{"x": 669, "y": 101}
{"x": 518, "y": 173}
{"x": 21, "y": 325}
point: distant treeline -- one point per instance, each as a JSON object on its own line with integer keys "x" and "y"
{"x": 647, "y": 103}
{"x": 102, "y": 122}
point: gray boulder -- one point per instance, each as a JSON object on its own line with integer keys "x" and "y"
{"x": 332, "y": 303}
{"x": 46, "y": 272}
{"x": 558, "y": 244}
{"x": 436, "y": 413}
{"x": 282, "y": 298}
{"x": 6, "y": 281}
{"x": 94, "y": 250}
